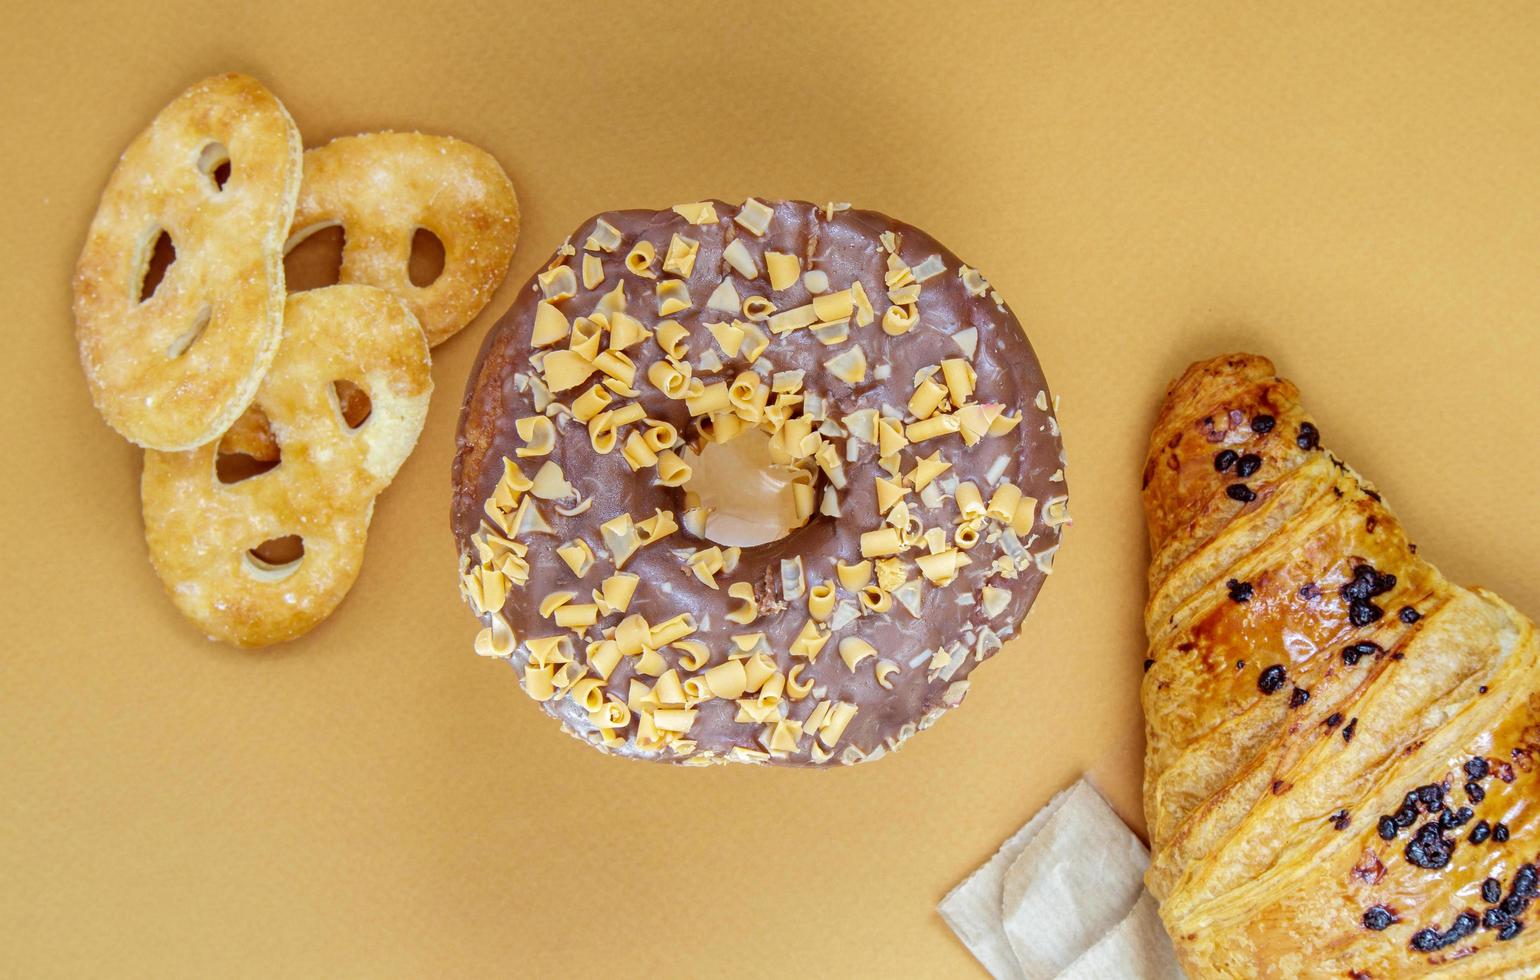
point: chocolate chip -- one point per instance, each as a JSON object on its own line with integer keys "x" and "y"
{"x": 1340, "y": 820}
{"x": 1354, "y": 652}
{"x": 1224, "y": 459}
{"x": 1378, "y": 917}
{"x": 1362, "y": 585}
{"x": 1426, "y": 940}
{"x": 1492, "y": 918}
{"x": 1480, "y": 832}
{"x": 1309, "y": 437}
{"x": 1310, "y": 591}
{"x": 1363, "y": 612}
{"x": 1247, "y": 465}
{"x": 1477, "y": 768}
{"x": 1451, "y": 818}
{"x": 1406, "y": 816}
{"x": 1474, "y": 792}
{"x": 1272, "y": 679}
{"x": 1350, "y": 730}
{"x": 1298, "y": 697}
{"x": 1147, "y": 665}
{"x": 1387, "y": 828}
{"x": 1239, "y": 591}
{"x": 1263, "y": 424}
{"x": 1491, "y": 891}
{"x": 1241, "y": 492}
{"x": 1509, "y": 930}
{"x": 1526, "y": 881}
{"x": 1500, "y": 833}
{"x": 1514, "y": 904}
{"x": 1464, "y": 924}
{"x": 1431, "y": 796}
{"x": 1367, "y": 583}
{"x": 1429, "y": 848}
{"x": 1409, "y": 615}
{"x": 1334, "y": 719}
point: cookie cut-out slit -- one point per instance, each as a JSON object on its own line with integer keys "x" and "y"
{"x": 353, "y": 403}
{"x": 249, "y": 449}
{"x": 158, "y": 260}
{"x": 427, "y": 261}
{"x": 313, "y": 257}
{"x": 214, "y": 163}
{"x": 235, "y": 467}
{"x": 192, "y": 333}
{"x": 275, "y": 559}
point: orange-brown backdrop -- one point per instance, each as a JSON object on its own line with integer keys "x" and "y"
{"x": 1354, "y": 190}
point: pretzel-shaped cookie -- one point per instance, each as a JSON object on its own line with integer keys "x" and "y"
{"x": 383, "y": 187}
{"x": 206, "y": 538}
{"x": 173, "y": 370}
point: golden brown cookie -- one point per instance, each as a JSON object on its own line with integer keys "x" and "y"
{"x": 218, "y": 547}
{"x": 216, "y": 172}
{"x": 383, "y": 187}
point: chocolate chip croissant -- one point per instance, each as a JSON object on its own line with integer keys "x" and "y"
{"x": 1340, "y": 776}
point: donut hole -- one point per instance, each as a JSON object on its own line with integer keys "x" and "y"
{"x": 749, "y": 499}
{"x": 353, "y": 403}
{"x": 155, "y": 263}
{"x": 275, "y": 559}
{"x": 312, "y": 257}
{"x": 214, "y": 163}
{"x": 427, "y": 260}
{"x": 249, "y": 449}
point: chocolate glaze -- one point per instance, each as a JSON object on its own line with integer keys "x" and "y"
{"x": 846, "y": 246}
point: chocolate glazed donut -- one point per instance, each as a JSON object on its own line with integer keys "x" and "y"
{"x": 902, "y": 403}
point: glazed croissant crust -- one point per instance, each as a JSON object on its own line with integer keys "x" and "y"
{"x": 1340, "y": 775}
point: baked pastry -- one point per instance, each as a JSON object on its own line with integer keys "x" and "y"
{"x": 1340, "y": 772}
{"x": 262, "y": 557}
{"x": 895, "y": 395}
{"x": 383, "y": 188}
{"x": 271, "y": 425}
{"x": 212, "y": 182}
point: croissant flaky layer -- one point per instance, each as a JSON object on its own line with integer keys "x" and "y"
{"x": 1343, "y": 754}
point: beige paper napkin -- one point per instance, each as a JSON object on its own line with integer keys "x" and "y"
{"x": 1064, "y": 896}
{"x": 1138, "y": 948}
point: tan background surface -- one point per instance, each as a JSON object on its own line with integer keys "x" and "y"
{"x": 1353, "y": 191}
